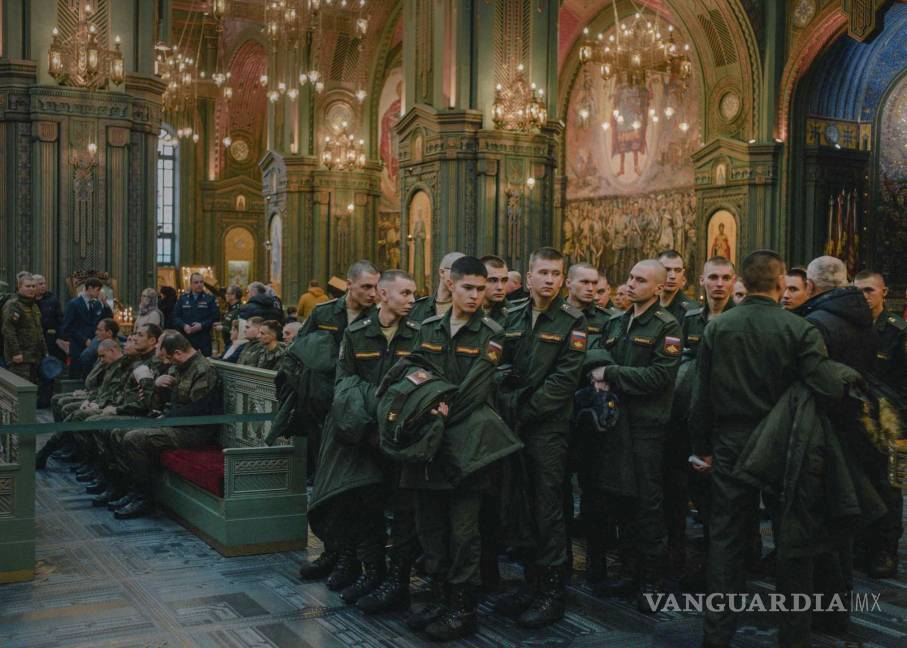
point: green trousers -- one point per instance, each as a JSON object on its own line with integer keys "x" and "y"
{"x": 448, "y": 525}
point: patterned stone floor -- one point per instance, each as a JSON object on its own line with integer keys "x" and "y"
{"x": 151, "y": 583}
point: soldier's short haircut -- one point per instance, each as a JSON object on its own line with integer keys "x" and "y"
{"x": 390, "y": 276}
{"x": 448, "y": 259}
{"x": 22, "y": 277}
{"x": 492, "y": 261}
{"x": 112, "y": 343}
{"x": 720, "y": 261}
{"x": 661, "y": 273}
{"x": 576, "y": 267}
{"x": 361, "y": 267}
{"x": 255, "y": 321}
{"x": 93, "y": 282}
{"x": 274, "y": 325}
{"x": 235, "y": 290}
{"x": 545, "y": 254}
{"x": 862, "y": 275}
{"x": 467, "y": 266}
{"x": 669, "y": 254}
{"x": 110, "y": 325}
{"x": 173, "y": 341}
{"x": 800, "y": 273}
{"x": 152, "y": 330}
{"x": 760, "y": 270}
{"x": 827, "y": 272}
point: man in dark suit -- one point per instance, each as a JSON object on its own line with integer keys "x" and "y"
{"x": 80, "y": 319}
{"x": 195, "y": 313}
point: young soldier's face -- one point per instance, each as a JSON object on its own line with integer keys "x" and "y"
{"x": 739, "y": 292}
{"x": 546, "y": 277}
{"x": 718, "y": 280}
{"x": 874, "y": 290}
{"x": 266, "y": 335}
{"x": 795, "y": 293}
{"x": 363, "y": 290}
{"x": 602, "y": 292}
{"x": 676, "y": 277}
{"x": 582, "y": 286}
{"x": 252, "y": 331}
{"x": 496, "y": 284}
{"x": 398, "y": 296}
{"x": 467, "y": 292}
{"x": 644, "y": 284}
{"x": 142, "y": 342}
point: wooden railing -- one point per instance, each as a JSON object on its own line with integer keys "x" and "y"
{"x": 18, "y": 398}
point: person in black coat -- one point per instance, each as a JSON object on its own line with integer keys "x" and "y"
{"x": 80, "y": 319}
{"x": 262, "y": 304}
{"x": 51, "y": 316}
{"x": 166, "y": 304}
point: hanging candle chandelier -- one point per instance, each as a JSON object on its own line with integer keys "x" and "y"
{"x": 518, "y": 105}
{"x": 79, "y": 59}
{"x": 342, "y": 151}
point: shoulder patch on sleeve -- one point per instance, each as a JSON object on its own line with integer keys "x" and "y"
{"x": 494, "y": 326}
{"x": 672, "y": 346}
{"x": 665, "y": 316}
{"x": 359, "y": 324}
{"x": 897, "y": 322}
{"x": 578, "y": 340}
{"x": 572, "y": 311}
{"x": 693, "y": 312}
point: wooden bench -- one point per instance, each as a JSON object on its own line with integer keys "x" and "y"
{"x": 242, "y": 497}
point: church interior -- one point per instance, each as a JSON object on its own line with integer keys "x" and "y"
{"x": 143, "y": 142}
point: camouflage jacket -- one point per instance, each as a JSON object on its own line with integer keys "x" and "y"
{"x": 22, "y": 331}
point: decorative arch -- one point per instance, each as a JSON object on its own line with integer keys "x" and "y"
{"x": 245, "y": 118}
{"x": 239, "y": 255}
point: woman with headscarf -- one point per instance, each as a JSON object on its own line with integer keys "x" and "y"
{"x": 149, "y": 313}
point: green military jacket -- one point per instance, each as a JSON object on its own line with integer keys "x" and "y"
{"x": 23, "y": 333}
{"x": 693, "y": 324}
{"x": 596, "y": 320}
{"x": 196, "y": 391}
{"x": 547, "y": 361}
{"x": 365, "y": 357}
{"x": 112, "y": 389}
{"x": 95, "y": 376}
{"x": 138, "y": 396}
{"x": 679, "y": 305}
{"x": 424, "y": 308}
{"x": 891, "y": 358}
{"x": 269, "y": 359}
{"x": 747, "y": 359}
{"x": 645, "y": 351}
{"x": 249, "y": 354}
{"x": 469, "y": 360}
{"x": 329, "y": 316}
{"x": 498, "y": 311}
{"x": 230, "y": 316}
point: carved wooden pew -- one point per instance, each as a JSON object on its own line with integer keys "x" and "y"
{"x": 241, "y": 497}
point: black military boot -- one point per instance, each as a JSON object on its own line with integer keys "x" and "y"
{"x": 346, "y": 571}
{"x": 321, "y": 567}
{"x": 548, "y": 607}
{"x": 460, "y": 619}
{"x": 623, "y": 584}
{"x": 369, "y": 580}
{"x": 519, "y": 600}
{"x": 650, "y": 583}
{"x": 123, "y": 501}
{"x": 111, "y": 494}
{"x": 139, "y": 506}
{"x": 98, "y": 486}
{"x": 883, "y": 564}
{"x": 393, "y": 594}
{"x": 434, "y": 609}
{"x": 87, "y": 475}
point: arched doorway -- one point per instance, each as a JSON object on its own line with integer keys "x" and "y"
{"x": 239, "y": 256}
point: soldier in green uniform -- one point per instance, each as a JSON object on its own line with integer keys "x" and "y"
{"x": 603, "y": 295}
{"x": 233, "y": 297}
{"x": 546, "y": 345}
{"x": 672, "y": 297}
{"x": 879, "y": 541}
{"x": 23, "y": 336}
{"x": 465, "y": 346}
{"x": 333, "y": 317}
{"x": 190, "y": 387}
{"x": 737, "y": 383}
{"x": 438, "y": 303}
{"x": 249, "y": 355}
{"x": 496, "y": 304}
{"x": 359, "y": 480}
{"x": 643, "y": 352}
{"x": 582, "y": 284}
{"x": 272, "y": 349}
{"x": 717, "y": 280}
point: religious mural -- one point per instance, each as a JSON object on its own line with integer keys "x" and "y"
{"x": 419, "y": 241}
{"x": 629, "y": 174}
{"x": 722, "y": 236}
{"x": 890, "y": 231}
{"x": 389, "y": 239}
{"x": 389, "y": 106}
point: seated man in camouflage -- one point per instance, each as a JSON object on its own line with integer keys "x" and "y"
{"x": 190, "y": 387}
{"x": 250, "y": 352}
{"x": 57, "y": 403}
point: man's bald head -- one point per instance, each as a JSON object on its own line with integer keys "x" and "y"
{"x": 658, "y": 272}
{"x": 647, "y": 280}
{"x": 448, "y": 260}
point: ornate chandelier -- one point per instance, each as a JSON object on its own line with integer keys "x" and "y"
{"x": 180, "y": 76}
{"x": 79, "y": 59}
{"x": 639, "y": 50}
{"x": 518, "y": 105}
{"x": 342, "y": 151}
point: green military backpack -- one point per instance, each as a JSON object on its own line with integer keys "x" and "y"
{"x": 407, "y": 430}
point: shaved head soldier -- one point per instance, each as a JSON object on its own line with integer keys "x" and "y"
{"x": 438, "y": 303}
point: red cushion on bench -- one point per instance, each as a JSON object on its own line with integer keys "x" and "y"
{"x": 204, "y": 467}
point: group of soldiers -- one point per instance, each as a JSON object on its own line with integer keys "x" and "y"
{"x": 650, "y": 406}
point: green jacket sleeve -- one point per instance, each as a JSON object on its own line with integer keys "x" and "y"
{"x": 701, "y": 416}
{"x": 650, "y": 379}
{"x": 560, "y": 384}
{"x": 346, "y": 370}
{"x": 478, "y": 383}
{"x": 11, "y": 345}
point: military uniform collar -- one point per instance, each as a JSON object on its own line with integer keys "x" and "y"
{"x": 473, "y": 324}
{"x": 373, "y": 329}
{"x": 553, "y": 308}
{"x": 751, "y": 300}
{"x": 646, "y": 315}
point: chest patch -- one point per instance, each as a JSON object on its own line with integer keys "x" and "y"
{"x": 644, "y": 341}
{"x": 513, "y": 334}
{"x": 328, "y": 327}
{"x": 435, "y": 348}
{"x": 595, "y": 329}
{"x": 692, "y": 340}
{"x": 672, "y": 346}
{"x": 401, "y": 354}
{"x": 465, "y": 350}
{"x": 882, "y": 356}
{"x": 367, "y": 355}
{"x": 578, "y": 341}
{"x": 550, "y": 337}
